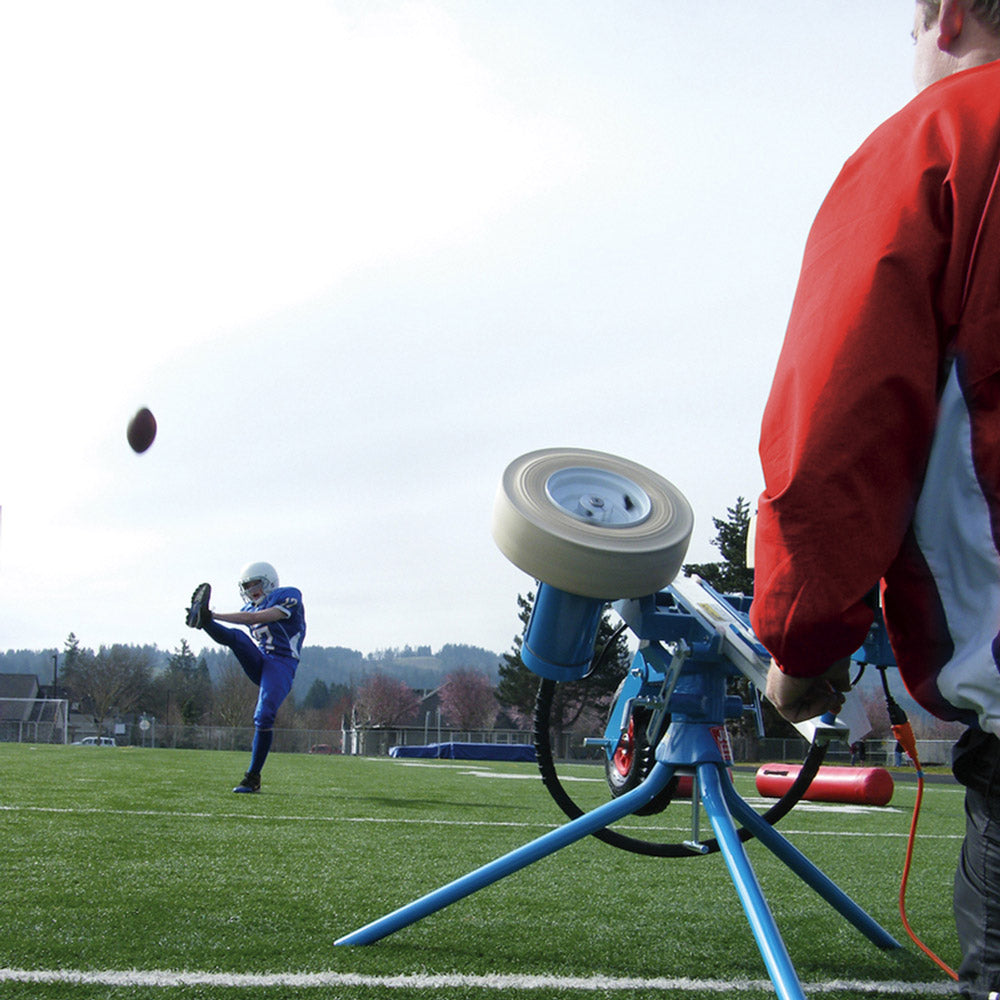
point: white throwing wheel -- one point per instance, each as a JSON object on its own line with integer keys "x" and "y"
{"x": 591, "y": 524}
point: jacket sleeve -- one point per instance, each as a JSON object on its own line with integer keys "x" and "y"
{"x": 850, "y": 416}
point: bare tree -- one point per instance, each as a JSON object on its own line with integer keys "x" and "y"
{"x": 112, "y": 682}
{"x": 234, "y": 696}
{"x": 468, "y": 701}
{"x": 874, "y": 706}
{"x": 385, "y": 701}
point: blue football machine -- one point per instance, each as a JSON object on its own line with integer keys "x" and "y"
{"x": 596, "y": 529}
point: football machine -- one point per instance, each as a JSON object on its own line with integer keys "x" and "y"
{"x": 594, "y": 530}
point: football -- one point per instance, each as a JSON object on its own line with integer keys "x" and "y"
{"x": 141, "y": 430}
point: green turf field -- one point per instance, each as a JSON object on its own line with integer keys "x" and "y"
{"x": 137, "y": 873}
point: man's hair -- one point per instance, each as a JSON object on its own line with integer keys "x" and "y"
{"x": 986, "y": 11}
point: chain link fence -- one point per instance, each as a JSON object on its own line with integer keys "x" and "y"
{"x": 378, "y": 741}
{"x": 872, "y": 753}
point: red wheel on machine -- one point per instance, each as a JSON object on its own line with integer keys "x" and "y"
{"x": 624, "y": 756}
{"x": 632, "y": 760}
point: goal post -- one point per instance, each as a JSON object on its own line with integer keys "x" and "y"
{"x": 34, "y": 720}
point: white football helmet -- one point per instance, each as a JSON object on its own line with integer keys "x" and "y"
{"x": 257, "y": 580}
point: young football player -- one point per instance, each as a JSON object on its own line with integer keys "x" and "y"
{"x": 276, "y": 619}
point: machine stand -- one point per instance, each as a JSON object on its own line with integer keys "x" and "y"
{"x": 689, "y": 744}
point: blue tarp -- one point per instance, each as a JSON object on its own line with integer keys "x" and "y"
{"x": 468, "y": 751}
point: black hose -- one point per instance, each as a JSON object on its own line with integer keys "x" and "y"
{"x": 546, "y": 766}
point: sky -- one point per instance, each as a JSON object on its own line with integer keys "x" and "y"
{"x": 357, "y": 257}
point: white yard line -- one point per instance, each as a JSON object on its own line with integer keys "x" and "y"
{"x": 170, "y": 979}
{"x": 430, "y": 821}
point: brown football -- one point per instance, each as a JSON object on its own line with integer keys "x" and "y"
{"x": 141, "y": 430}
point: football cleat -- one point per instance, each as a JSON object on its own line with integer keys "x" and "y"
{"x": 198, "y": 614}
{"x": 250, "y": 782}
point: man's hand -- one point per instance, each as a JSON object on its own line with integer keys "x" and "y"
{"x": 801, "y": 698}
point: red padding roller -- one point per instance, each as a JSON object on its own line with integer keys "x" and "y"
{"x": 868, "y": 786}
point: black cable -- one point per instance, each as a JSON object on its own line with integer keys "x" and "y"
{"x": 605, "y": 649}
{"x": 897, "y": 717}
{"x": 546, "y": 766}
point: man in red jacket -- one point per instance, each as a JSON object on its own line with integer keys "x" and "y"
{"x": 880, "y": 442}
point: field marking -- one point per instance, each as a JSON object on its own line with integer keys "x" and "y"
{"x": 812, "y": 805}
{"x": 277, "y": 817}
{"x": 169, "y": 979}
{"x": 482, "y": 772}
{"x": 430, "y": 821}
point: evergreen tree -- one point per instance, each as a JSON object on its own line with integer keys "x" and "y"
{"x": 731, "y": 575}
{"x": 71, "y": 652}
{"x": 518, "y": 685}
{"x": 185, "y": 688}
{"x": 317, "y": 697}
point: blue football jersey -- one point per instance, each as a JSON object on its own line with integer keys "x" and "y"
{"x": 284, "y": 637}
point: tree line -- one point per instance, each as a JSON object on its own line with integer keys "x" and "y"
{"x": 121, "y": 681}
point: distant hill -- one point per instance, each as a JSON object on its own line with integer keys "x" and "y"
{"x": 419, "y": 667}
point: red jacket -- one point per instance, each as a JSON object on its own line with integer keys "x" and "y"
{"x": 880, "y": 441}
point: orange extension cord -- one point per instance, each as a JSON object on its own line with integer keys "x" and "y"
{"x": 904, "y": 733}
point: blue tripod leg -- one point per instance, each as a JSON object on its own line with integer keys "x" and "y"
{"x": 520, "y": 858}
{"x": 806, "y": 870}
{"x": 765, "y": 931}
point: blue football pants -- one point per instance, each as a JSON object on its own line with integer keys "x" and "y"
{"x": 272, "y": 674}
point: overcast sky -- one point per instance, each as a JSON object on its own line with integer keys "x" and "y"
{"x": 359, "y": 256}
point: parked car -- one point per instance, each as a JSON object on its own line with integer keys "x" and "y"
{"x": 94, "y": 741}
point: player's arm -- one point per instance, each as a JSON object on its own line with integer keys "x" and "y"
{"x": 264, "y": 617}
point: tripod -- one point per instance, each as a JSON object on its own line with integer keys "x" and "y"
{"x": 698, "y": 705}
{"x": 592, "y": 526}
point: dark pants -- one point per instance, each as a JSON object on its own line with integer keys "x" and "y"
{"x": 977, "y": 881}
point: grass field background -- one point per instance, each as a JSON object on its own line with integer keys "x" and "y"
{"x": 117, "y": 862}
